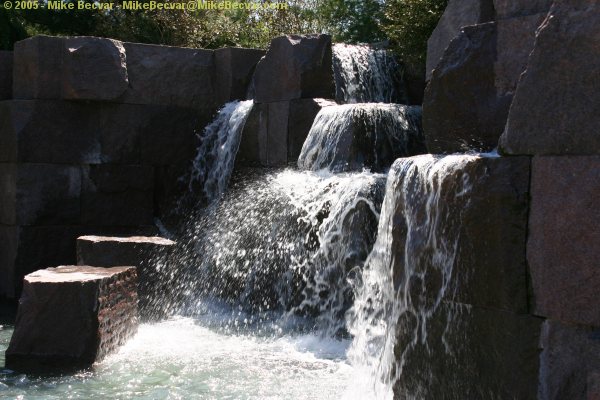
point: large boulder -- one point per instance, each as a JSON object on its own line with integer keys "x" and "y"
{"x": 6, "y": 74}
{"x": 78, "y": 68}
{"x": 569, "y": 362}
{"x": 93, "y": 69}
{"x": 555, "y": 109}
{"x": 467, "y": 100}
{"x": 295, "y": 67}
{"x": 458, "y": 14}
{"x": 352, "y": 137}
{"x": 234, "y": 69}
{"x": 149, "y": 254}
{"x": 72, "y": 316}
{"x": 170, "y": 76}
{"x": 564, "y": 232}
{"x": 461, "y": 109}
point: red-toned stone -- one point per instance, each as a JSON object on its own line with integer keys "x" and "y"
{"x": 564, "y": 232}
{"x": 72, "y": 316}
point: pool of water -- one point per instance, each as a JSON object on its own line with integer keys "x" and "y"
{"x": 181, "y": 359}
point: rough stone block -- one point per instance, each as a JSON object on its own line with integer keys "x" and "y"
{"x": 564, "y": 232}
{"x": 234, "y": 68}
{"x": 148, "y": 254}
{"x": 295, "y": 67}
{"x": 60, "y": 132}
{"x": 515, "y": 40}
{"x": 301, "y": 117}
{"x": 517, "y": 8}
{"x": 555, "y": 108}
{"x": 25, "y": 249}
{"x": 93, "y": 69}
{"x": 37, "y": 68}
{"x": 6, "y": 74}
{"x": 458, "y": 14}
{"x": 467, "y": 100}
{"x": 468, "y": 353}
{"x": 265, "y": 135}
{"x": 569, "y": 362}
{"x": 48, "y": 132}
{"x": 117, "y": 195}
{"x": 461, "y": 108}
{"x": 72, "y": 316}
{"x": 39, "y": 194}
{"x": 479, "y": 205}
{"x": 169, "y": 135}
{"x": 170, "y": 76}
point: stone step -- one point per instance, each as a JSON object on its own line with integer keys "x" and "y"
{"x": 149, "y": 254}
{"x": 72, "y": 316}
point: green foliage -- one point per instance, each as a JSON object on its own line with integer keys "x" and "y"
{"x": 353, "y": 21}
{"x": 409, "y": 24}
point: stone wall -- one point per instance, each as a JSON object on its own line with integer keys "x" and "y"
{"x": 289, "y": 86}
{"x": 93, "y": 136}
{"x": 546, "y": 67}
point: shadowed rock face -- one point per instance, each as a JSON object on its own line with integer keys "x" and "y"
{"x": 71, "y": 316}
{"x": 6, "y": 73}
{"x": 295, "y": 67}
{"x": 448, "y": 279}
{"x": 148, "y": 254}
{"x": 555, "y": 110}
{"x": 564, "y": 224}
{"x": 355, "y": 136}
{"x": 458, "y": 13}
{"x": 461, "y": 109}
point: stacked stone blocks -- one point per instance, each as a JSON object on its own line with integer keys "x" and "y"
{"x": 93, "y": 136}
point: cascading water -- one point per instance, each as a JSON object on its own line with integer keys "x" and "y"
{"x": 220, "y": 142}
{"x": 351, "y": 137}
{"x": 280, "y": 245}
{"x": 367, "y": 74}
{"x": 272, "y": 279}
{"x": 409, "y": 270}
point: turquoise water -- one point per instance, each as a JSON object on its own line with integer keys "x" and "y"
{"x": 181, "y": 359}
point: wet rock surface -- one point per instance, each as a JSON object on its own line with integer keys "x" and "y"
{"x": 71, "y": 316}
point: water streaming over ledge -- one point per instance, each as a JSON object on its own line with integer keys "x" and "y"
{"x": 366, "y": 74}
{"x": 408, "y": 272}
{"x": 220, "y": 142}
{"x": 283, "y": 284}
{"x": 352, "y": 137}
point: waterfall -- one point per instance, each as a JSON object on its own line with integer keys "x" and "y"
{"x": 407, "y": 274}
{"x": 367, "y": 74}
{"x": 351, "y": 137}
{"x": 215, "y": 157}
{"x": 282, "y": 245}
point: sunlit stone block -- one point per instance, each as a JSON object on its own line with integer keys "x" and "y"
{"x": 71, "y": 316}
